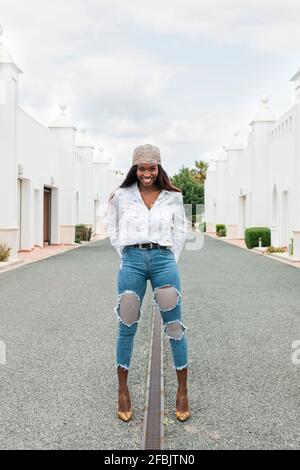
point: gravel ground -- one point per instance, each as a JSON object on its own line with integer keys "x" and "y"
{"x": 243, "y": 314}
{"x": 59, "y": 386}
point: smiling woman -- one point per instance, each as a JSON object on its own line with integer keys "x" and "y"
{"x": 146, "y": 224}
{"x": 147, "y": 174}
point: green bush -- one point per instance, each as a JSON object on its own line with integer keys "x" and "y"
{"x": 83, "y": 233}
{"x": 221, "y": 230}
{"x": 252, "y": 234}
{"x": 4, "y": 252}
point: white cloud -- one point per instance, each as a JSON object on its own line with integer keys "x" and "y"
{"x": 118, "y": 65}
{"x": 267, "y": 25}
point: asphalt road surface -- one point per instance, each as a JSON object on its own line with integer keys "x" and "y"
{"x": 59, "y": 386}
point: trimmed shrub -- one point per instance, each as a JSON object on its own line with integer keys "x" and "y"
{"x": 221, "y": 230}
{"x": 83, "y": 233}
{"x": 252, "y": 234}
{"x": 4, "y": 252}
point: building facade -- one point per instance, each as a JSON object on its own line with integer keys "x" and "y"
{"x": 257, "y": 184}
{"x": 51, "y": 178}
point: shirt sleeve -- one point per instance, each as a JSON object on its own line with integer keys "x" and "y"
{"x": 111, "y": 223}
{"x": 179, "y": 227}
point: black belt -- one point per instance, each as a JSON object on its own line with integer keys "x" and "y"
{"x": 144, "y": 246}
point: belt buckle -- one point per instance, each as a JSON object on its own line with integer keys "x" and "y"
{"x": 141, "y": 247}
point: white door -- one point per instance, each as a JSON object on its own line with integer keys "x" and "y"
{"x": 19, "y": 215}
{"x": 284, "y": 219}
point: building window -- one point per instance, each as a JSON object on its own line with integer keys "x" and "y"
{"x": 291, "y": 123}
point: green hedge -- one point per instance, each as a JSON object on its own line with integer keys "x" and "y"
{"x": 221, "y": 230}
{"x": 82, "y": 233}
{"x": 252, "y": 234}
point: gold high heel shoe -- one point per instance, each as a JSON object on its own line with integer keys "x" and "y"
{"x": 124, "y": 415}
{"x": 182, "y": 415}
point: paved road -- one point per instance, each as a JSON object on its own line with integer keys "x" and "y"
{"x": 243, "y": 313}
{"x": 59, "y": 388}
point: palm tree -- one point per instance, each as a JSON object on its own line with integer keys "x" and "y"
{"x": 199, "y": 173}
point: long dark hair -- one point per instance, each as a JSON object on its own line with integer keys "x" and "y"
{"x": 162, "y": 181}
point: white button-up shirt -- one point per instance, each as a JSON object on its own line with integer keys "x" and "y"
{"x": 129, "y": 221}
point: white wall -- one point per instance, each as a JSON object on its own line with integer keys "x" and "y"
{"x": 40, "y": 156}
{"x": 261, "y": 181}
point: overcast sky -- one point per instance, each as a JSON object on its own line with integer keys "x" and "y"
{"x": 182, "y": 75}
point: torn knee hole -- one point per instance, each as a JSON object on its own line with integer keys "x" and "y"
{"x": 166, "y": 297}
{"x": 128, "y": 308}
{"x": 175, "y": 329}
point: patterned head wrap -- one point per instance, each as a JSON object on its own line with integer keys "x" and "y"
{"x": 146, "y": 154}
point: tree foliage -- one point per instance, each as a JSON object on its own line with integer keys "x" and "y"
{"x": 199, "y": 173}
{"x": 192, "y": 189}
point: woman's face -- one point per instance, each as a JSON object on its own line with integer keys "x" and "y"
{"x": 147, "y": 173}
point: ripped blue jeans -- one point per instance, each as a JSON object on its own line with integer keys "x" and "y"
{"x": 159, "y": 266}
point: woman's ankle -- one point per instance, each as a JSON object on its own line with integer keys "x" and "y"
{"x": 182, "y": 391}
{"x": 124, "y": 402}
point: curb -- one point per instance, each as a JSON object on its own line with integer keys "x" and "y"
{"x": 257, "y": 252}
{"x": 9, "y": 265}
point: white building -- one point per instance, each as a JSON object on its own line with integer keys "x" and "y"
{"x": 258, "y": 184}
{"x": 51, "y": 178}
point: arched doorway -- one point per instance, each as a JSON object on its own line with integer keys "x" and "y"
{"x": 47, "y": 215}
{"x": 242, "y": 216}
{"x": 284, "y": 219}
{"x": 96, "y": 217}
{"x": 274, "y": 229}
